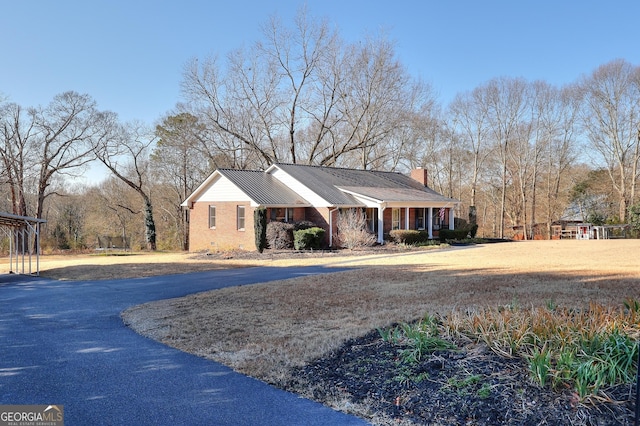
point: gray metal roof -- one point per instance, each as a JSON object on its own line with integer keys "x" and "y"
{"x": 263, "y": 188}
{"x": 327, "y": 182}
{"x": 400, "y": 194}
{"x": 16, "y": 221}
{"x": 338, "y": 186}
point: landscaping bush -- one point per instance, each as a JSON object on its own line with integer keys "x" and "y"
{"x": 280, "y": 235}
{"x": 471, "y": 229}
{"x": 309, "y": 238}
{"x": 634, "y": 220}
{"x": 260, "y": 228}
{"x": 352, "y": 230}
{"x": 452, "y": 234}
{"x": 409, "y": 236}
{"x": 303, "y": 224}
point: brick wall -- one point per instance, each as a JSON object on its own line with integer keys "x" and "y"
{"x": 225, "y": 236}
{"x": 388, "y": 219}
{"x": 320, "y": 216}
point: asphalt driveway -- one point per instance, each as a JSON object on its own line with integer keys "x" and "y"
{"x": 64, "y": 343}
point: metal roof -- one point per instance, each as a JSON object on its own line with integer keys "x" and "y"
{"x": 331, "y": 183}
{"x": 339, "y": 187}
{"x": 263, "y": 188}
{"x": 16, "y": 221}
{"x": 400, "y": 194}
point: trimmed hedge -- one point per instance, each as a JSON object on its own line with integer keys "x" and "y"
{"x": 453, "y": 234}
{"x": 303, "y": 224}
{"x": 308, "y": 238}
{"x": 409, "y": 236}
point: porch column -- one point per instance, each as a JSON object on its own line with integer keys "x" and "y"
{"x": 430, "y": 222}
{"x": 381, "y": 225}
{"x": 406, "y": 218}
{"x": 451, "y": 218}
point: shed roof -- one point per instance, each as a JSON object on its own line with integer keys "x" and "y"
{"x": 16, "y": 221}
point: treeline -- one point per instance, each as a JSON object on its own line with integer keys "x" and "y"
{"x": 519, "y": 154}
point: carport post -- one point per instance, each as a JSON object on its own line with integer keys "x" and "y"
{"x": 10, "y": 233}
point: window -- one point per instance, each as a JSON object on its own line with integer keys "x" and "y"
{"x": 372, "y": 220}
{"x": 439, "y": 218}
{"x": 395, "y": 219}
{"x": 420, "y": 218}
{"x": 212, "y": 217}
{"x": 240, "y": 218}
{"x": 282, "y": 214}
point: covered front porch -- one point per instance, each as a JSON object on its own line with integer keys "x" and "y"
{"x": 382, "y": 220}
{"x": 388, "y": 209}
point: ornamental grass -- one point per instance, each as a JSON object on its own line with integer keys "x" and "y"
{"x": 586, "y": 350}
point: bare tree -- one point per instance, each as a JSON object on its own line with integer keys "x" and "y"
{"x": 126, "y": 153}
{"x": 506, "y": 102}
{"x": 559, "y": 127}
{"x": 66, "y": 218}
{"x": 46, "y": 143}
{"x": 610, "y": 118}
{"x": 301, "y": 95}
{"x": 470, "y": 118}
{"x": 262, "y": 100}
{"x": 17, "y": 156}
{"x": 296, "y": 56}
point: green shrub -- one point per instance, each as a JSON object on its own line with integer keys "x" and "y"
{"x": 303, "y": 224}
{"x": 309, "y": 238}
{"x": 470, "y": 229}
{"x": 409, "y": 236}
{"x": 634, "y": 219}
{"x": 260, "y": 228}
{"x": 452, "y": 234}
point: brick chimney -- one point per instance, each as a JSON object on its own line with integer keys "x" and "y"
{"x": 420, "y": 175}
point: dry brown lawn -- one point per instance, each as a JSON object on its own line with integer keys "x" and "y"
{"x": 115, "y": 265}
{"x": 265, "y": 329}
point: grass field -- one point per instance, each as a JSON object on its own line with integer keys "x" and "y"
{"x": 264, "y": 330}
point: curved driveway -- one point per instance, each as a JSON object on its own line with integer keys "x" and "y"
{"x": 63, "y": 342}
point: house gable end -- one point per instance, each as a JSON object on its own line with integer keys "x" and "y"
{"x": 222, "y": 189}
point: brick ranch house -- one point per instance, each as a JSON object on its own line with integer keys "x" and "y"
{"x": 221, "y": 208}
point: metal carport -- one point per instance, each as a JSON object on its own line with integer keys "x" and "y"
{"x": 24, "y": 239}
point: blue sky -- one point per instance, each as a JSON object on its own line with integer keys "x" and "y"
{"x": 129, "y": 55}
